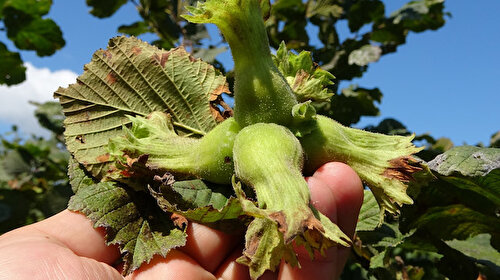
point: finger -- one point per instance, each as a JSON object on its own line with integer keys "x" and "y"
{"x": 177, "y": 265}
{"x": 209, "y": 247}
{"x": 231, "y": 270}
{"x": 347, "y": 189}
{"x": 337, "y": 192}
{"x": 322, "y": 197}
{"x": 28, "y": 256}
{"x": 74, "y": 231}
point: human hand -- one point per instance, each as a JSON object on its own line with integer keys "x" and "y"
{"x": 66, "y": 246}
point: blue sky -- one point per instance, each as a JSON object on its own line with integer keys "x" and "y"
{"x": 441, "y": 82}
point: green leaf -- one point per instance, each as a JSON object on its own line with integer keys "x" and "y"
{"x": 390, "y": 127}
{"x": 308, "y": 81}
{"x": 33, "y": 33}
{"x": 208, "y": 54}
{"x": 50, "y": 116}
{"x": 465, "y": 194}
{"x": 14, "y": 209}
{"x": 420, "y": 15}
{"x": 495, "y": 140}
{"x": 200, "y": 202}
{"x": 474, "y": 173}
{"x": 131, "y": 219}
{"x": 12, "y": 70}
{"x": 456, "y": 221}
{"x": 135, "y": 29}
{"x": 105, "y": 8}
{"x": 31, "y": 7}
{"x": 134, "y": 78}
{"x": 365, "y": 55}
{"x": 354, "y": 102}
{"x": 467, "y": 161}
{"x": 14, "y": 164}
{"x": 387, "y": 235}
{"x": 369, "y": 215}
{"x": 363, "y": 12}
{"x": 477, "y": 247}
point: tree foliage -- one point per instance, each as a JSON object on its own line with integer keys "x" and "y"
{"x": 26, "y": 25}
{"x": 456, "y": 199}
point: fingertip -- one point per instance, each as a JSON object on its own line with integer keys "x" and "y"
{"x": 322, "y": 198}
{"x": 343, "y": 181}
{"x": 76, "y": 232}
{"x": 347, "y": 188}
{"x": 176, "y": 265}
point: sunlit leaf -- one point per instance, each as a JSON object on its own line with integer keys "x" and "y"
{"x": 463, "y": 200}
{"x": 365, "y": 55}
{"x": 132, "y": 77}
{"x": 369, "y": 215}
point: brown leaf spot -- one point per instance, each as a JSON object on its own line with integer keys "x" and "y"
{"x": 142, "y": 159}
{"x": 161, "y": 58}
{"x": 103, "y": 158}
{"x": 312, "y": 223}
{"x": 179, "y": 220}
{"x": 111, "y": 78}
{"x": 252, "y": 244}
{"x": 227, "y": 160}
{"x": 112, "y": 169}
{"x": 126, "y": 173}
{"x": 80, "y": 139}
{"x": 402, "y": 168}
{"x": 107, "y": 54}
{"x": 280, "y": 218}
{"x": 300, "y": 77}
{"x": 14, "y": 184}
{"x": 136, "y": 50}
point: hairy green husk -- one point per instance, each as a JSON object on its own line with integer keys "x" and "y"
{"x": 209, "y": 158}
{"x": 269, "y": 158}
{"x": 383, "y": 162}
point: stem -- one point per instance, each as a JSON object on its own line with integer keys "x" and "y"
{"x": 261, "y": 93}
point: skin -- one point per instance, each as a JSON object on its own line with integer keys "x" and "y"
{"x": 66, "y": 246}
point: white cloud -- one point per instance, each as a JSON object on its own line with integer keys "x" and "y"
{"x": 39, "y": 86}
